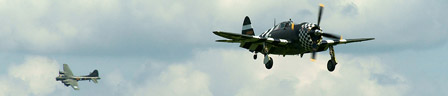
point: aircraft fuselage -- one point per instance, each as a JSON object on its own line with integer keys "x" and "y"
{"x": 77, "y": 78}
{"x": 298, "y": 35}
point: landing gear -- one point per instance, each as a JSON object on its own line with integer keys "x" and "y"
{"x": 269, "y": 64}
{"x": 331, "y": 64}
{"x": 268, "y": 61}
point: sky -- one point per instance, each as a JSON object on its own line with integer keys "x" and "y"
{"x": 167, "y": 48}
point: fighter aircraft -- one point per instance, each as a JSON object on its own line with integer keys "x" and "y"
{"x": 69, "y": 79}
{"x": 288, "y": 38}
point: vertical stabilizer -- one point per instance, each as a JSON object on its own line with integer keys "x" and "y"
{"x": 94, "y": 74}
{"x": 247, "y": 27}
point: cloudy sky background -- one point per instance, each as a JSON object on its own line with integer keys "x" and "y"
{"x": 166, "y": 47}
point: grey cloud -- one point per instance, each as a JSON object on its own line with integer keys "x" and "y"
{"x": 152, "y": 26}
{"x": 396, "y": 26}
{"x": 174, "y": 28}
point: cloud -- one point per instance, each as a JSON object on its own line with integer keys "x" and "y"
{"x": 108, "y": 27}
{"x": 175, "y": 80}
{"x": 395, "y": 25}
{"x": 225, "y": 72}
{"x": 173, "y": 32}
{"x": 35, "y": 76}
{"x": 293, "y": 76}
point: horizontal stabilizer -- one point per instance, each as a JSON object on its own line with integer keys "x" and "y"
{"x": 95, "y": 80}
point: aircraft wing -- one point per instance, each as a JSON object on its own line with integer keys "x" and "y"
{"x": 242, "y": 38}
{"x": 343, "y": 41}
{"x": 73, "y": 83}
{"x": 67, "y": 71}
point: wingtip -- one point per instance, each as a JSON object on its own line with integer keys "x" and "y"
{"x": 370, "y": 38}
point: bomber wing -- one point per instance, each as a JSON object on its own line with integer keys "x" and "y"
{"x": 73, "y": 83}
{"x": 67, "y": 71}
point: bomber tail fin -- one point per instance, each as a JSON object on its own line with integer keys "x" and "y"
{"x": 247, "y": 27}
{"x": 94, "y": 73}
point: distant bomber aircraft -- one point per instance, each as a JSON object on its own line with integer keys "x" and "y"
{"x": 288, "y": 38}
{"x": 69, "y": 79}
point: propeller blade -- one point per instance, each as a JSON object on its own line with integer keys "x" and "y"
{"x": 321, "y": 8}
{"x": 313, "y": 56}
{"x": 317, "y": 35}
{"x": 333, "y": 36}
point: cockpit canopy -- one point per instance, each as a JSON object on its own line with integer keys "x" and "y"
{"x": 283, "y": 25}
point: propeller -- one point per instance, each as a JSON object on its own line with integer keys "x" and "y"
{"x": 316, "y": 34}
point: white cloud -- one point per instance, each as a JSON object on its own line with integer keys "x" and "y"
{"x": 174, "y": 81}
{"x": 52, "y": 27}
{"x": 233, "y": 72}
{"x": 294, "y": 76}
{"x": 35, "y": 76}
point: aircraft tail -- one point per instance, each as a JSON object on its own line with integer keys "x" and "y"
{"x": 94, "y": 73}
{"x": 247, "y": 27}
{"x": 95, "y": 80}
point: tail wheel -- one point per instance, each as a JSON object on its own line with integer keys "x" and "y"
{"x": 269, "y": 64}
{"x": 331, "y": 65}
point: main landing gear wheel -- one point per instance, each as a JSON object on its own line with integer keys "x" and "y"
{"x": 331, "y": 65}
{"x": 269, "y": 64}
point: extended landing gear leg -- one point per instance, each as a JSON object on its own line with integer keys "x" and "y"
{"x": 268, "y": 62}
{"x": 331, "y": 65}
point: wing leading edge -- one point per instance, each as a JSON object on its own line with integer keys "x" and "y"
{"x": 67, "y": 71}
{"x": 343, "y": 41}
